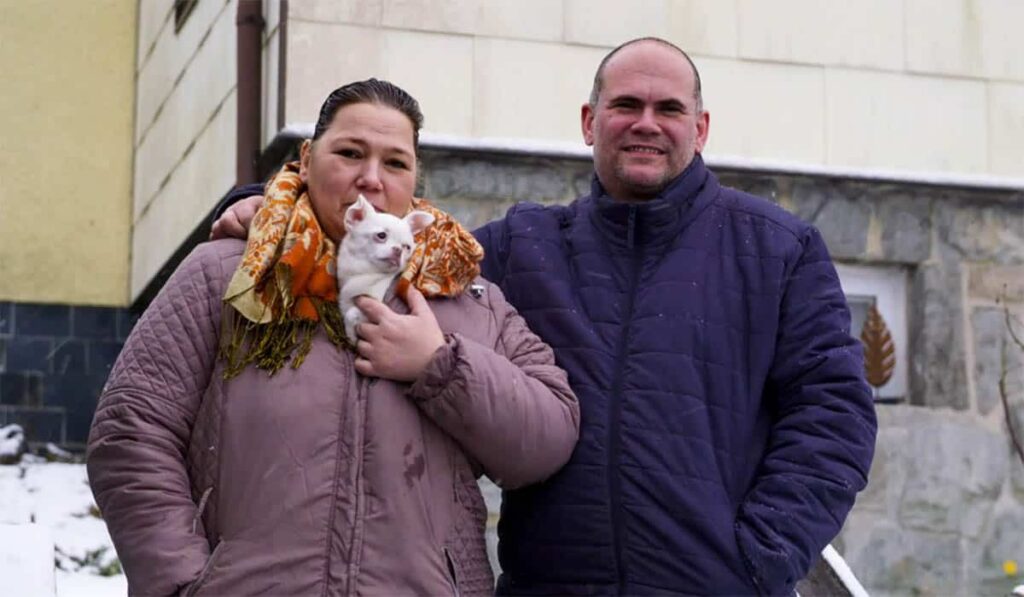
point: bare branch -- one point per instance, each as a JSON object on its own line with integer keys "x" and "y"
{"x": 1004, "y": 394}
{"x": 1009, "y": 327}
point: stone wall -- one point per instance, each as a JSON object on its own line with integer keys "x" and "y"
{"x": 945, "y": 503}
{"x": 944, "y": 507}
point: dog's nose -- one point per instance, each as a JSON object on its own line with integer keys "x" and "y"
{"x": 396, "y": 251}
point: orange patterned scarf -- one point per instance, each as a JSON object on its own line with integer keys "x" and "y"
{"x": 285, "y": 286}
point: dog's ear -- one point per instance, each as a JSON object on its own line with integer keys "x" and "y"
{"x": 357, "y": 212}
{"x": 418, "y": 220}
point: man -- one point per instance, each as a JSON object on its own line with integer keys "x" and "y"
{"x": 726, "y": 426}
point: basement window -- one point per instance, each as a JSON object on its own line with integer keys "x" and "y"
{"x": 884, "y": 291}
{"x": 182, "y": 10}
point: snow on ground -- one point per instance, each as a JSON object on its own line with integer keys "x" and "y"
{"x": 56, "y": 495}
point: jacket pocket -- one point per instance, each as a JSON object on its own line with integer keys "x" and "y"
{"x": 197, "y": 584}
{"x": 452, "y": 571}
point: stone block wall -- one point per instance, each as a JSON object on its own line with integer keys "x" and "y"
{"x": 54, "y": 361}
{"x": 963, "y": 251}
{"x": 944, "y": 507}
{"x": 945, "y": 503}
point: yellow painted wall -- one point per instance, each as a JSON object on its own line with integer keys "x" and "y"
{"x": 66, "y": 110}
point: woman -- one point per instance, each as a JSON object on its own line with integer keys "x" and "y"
{"x": 268, "y": 457}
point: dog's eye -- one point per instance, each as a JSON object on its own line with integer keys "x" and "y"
{"x": 381, "y": 236}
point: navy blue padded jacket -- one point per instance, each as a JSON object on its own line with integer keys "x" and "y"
{"x": 726, "y": 425}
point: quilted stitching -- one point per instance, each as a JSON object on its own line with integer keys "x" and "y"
{"x": 467, "y": 544}
{"x": 146, "y": 414}
{"x": 161, "y": 403}
{"x": 702, "y": 376}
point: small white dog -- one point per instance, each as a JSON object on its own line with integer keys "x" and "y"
{"x": 372, "y": 254}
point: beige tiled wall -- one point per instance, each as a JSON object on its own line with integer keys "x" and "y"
{"x": 438, "y": 71}
{"x": 925, "y": 86}
{"x": 184, "y": 126}
{"x": 765, "y": 110}
{"x": 540, "y": 20}
{"x": 705, "y": 28}
{"x": 896, "y": 121}
{"x": 185, "y": 110}
{"x": 1006, "y": 123}
{"x": 171, "y": 53}
{"x": 530, "y": 90}
{"x": 152, "y": 18}
{"x": 449, "y": 16}
{"x": 922, "y": 85}
{"x": 322, "y": 55}
{"x": 202, "y": 175}
{"x": 967, "y": 38}
{"x": 609, "y": 22}
{"x": 358, "y": 12}
{"x": 866, "y": 33}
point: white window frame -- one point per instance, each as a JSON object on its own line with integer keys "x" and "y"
{"x": 888, "y": 286}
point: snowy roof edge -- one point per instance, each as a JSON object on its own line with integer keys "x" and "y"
{"x": 562, "y": 149}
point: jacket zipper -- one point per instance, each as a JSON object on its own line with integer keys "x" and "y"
{"x": 339, "y": 471}
{"x": 356, "y": 543}
{"x": 205, "y": 572}
{"x": 615, "y": 408}
{"x": 451, "y": 571}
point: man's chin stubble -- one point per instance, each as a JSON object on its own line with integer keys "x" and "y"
{"x": 641, "y": 190}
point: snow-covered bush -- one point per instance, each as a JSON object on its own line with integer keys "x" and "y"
{"x": 12, "y": 444}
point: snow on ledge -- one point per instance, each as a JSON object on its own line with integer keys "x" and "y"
{"x": 564, "y": 149}
{"x": 945, "y": 179}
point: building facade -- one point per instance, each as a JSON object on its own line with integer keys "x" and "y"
{"x": 65, "y": 197}
{"x": 894, "y": 126}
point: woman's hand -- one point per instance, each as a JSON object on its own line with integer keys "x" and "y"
{"x": 235, "y": 222}
{"x": 393, "y": 346}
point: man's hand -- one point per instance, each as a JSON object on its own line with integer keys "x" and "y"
{"x": 393, "y": 346}
{"x": 235, "y": 222}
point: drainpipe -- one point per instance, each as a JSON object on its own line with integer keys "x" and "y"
{"x": 249, "y": 22}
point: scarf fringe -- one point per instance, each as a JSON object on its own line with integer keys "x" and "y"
{"x": 269, "y": 346}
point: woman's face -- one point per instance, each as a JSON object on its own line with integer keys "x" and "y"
{"x": 368, "y": 150}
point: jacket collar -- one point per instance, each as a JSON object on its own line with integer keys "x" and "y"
{"x": 656, "y": 220}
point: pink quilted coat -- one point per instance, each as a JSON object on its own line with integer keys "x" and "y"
{"x": 317, "y": 481}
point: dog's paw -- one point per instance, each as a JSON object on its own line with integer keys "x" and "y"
{"x": 353, "y": 317}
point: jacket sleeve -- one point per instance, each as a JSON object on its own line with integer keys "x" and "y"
{"x": 136, "y": 454}
{"x": 235, "y": 195}
{"x": 821, "y": 444}
{"x": 509, "y": 406}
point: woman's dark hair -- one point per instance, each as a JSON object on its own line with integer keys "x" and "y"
{"x": 371, "y": 91}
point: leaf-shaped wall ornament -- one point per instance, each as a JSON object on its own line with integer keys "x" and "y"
{"x": 879, "y": 351}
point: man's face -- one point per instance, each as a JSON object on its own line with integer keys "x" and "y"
{"x": 645, "y": 128}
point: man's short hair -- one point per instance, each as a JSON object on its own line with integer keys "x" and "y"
{"x": 595, "y": 91}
